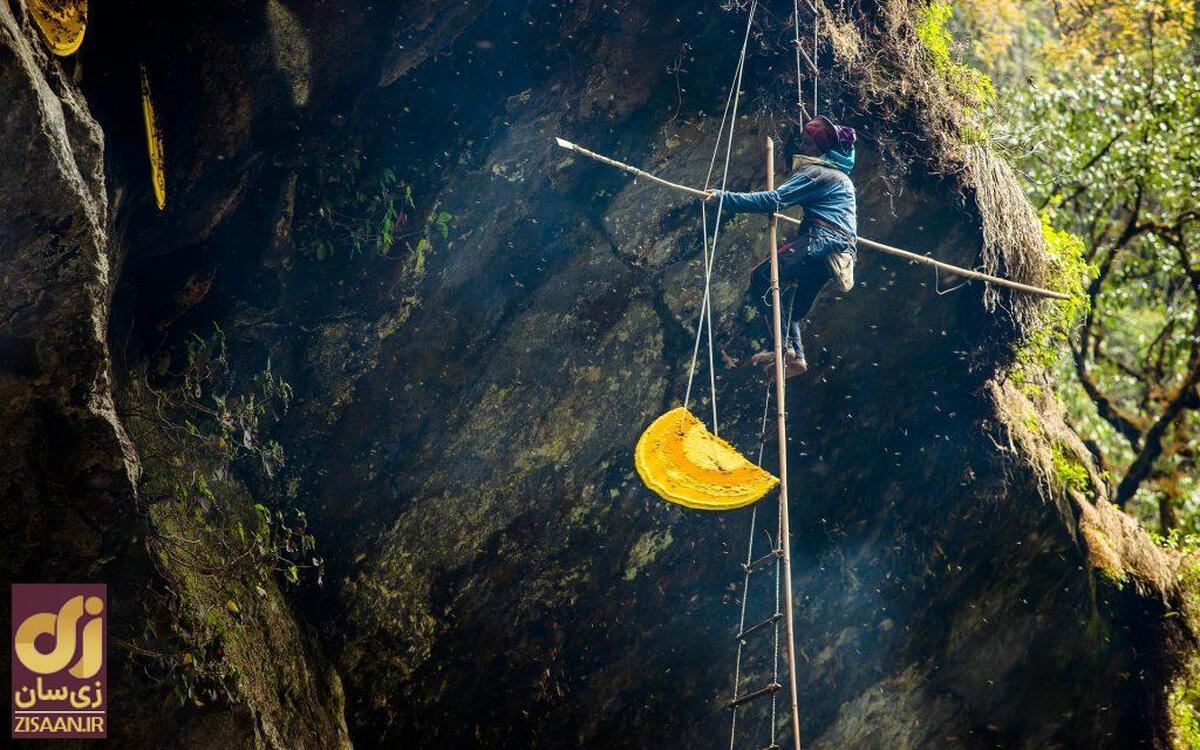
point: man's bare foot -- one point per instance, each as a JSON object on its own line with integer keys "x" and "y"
{"x": 763, "y": 358}
{"x": 793, "y": 362}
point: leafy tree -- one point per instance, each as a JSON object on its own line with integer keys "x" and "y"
{"x": 1108, "y": 136}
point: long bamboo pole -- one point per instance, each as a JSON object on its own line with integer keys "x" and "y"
{"x": 785, "y": 534}
{"x": 862, "y": 241}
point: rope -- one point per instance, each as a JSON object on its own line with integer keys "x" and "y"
{"x": 737, "y": 664}
{"x": 779, "y": 560}
{"x": 775, "y": 647}
{"x": 812, "y": 59}
{"x": 712, "y": 163}
{"x": 816, "y": 51}
{"x": 937, "y": 284}
{"x": 799, "y": 78}
{"x": 737, "y": 667}
{"x": 710, "y": 252}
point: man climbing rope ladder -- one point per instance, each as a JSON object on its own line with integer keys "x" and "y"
{"x": 824, "y": 248}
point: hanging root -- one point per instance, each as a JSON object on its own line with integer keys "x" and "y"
{"x": 843, "y": 37}
{"x": 1013, "y": 244}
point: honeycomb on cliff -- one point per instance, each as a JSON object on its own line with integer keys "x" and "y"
{"x": 684, "y": 463}
{"x": 62, "y": 23}
{"x": 154, "y": 144}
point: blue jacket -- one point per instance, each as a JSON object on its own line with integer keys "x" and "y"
{"x": 823, "y": 192}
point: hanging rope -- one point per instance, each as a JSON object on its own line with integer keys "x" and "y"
{"x": 810, "y": 59}
{"x": 816, "y": 50}
{"x": 741, "y": 642}
{"x": 710, "y": 249}
{"x": 799, "y": 78}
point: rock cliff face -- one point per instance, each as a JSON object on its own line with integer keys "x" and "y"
{"x": 70, "y": 467}
{"x": 465, "y": 407}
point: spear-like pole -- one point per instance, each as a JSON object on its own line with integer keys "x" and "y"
{"x": 862, "y": 241}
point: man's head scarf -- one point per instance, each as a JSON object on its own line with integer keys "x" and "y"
{"x": 829, "y": 136}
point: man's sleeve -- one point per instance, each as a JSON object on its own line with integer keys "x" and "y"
{"x": 791, "y": 193}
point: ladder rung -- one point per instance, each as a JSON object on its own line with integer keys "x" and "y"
{"x": 753, "y": 566}
{"x": 811, "y": 6}
{"x": 759, "y": 626}
{"x": 760, "y": 693}
{"x": 811, "y": 65}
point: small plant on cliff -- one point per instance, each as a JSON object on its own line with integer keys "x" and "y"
{"x": 226, "y": 423}
{"x": 1071, "y": 474}
{"x": 213, "y": 426}
{"x": 348, "y": 204}
{"x": 215, "y": 547}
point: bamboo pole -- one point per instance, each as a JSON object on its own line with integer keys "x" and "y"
{"x": 785, "y": 535}
{"x": 627, "y": 168}
{"x": 862, "y": 241}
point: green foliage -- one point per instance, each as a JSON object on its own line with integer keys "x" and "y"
{"x": 1185, "y": 712}
{"x": 211, "y": 543}
{"x": 441, "y": 224}
{"x": 224, "y": 423}
{"x": 1070, "y": 274}
{"x": 212, "y": 427}
{"x": 972, "y": 86}
{"x": 933, "y": 32}
{"x": 344, "y": 205}
{"x": 1071, "y": 474}
{"x": 1111, "y": 148}
{"x": 1101, "y": 114}
{"x": 348, "y": 206}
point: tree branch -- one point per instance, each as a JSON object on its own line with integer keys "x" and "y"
{"x": 1186, "y": 396}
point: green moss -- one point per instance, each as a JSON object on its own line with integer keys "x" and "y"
{"x": 1070, "y": 274}
{"x": 1116, "y": 576}
{"x": 1184, "y": 700}
{"x": 1021, "y": 379}
{"x": 645, "y": 549}
{"x": 932, "y": 31}
{"x": 1032, "y": 424}
{"x": 974, "y": 134}
{"x": 1070, "y": 472}
{"x": 973, "y": 87}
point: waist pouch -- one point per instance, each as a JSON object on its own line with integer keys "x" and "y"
{"x": 841, "y": 269}
{"x": 831, "y": 247}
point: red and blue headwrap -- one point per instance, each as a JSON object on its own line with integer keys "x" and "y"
{"x": 830, "y": 136}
